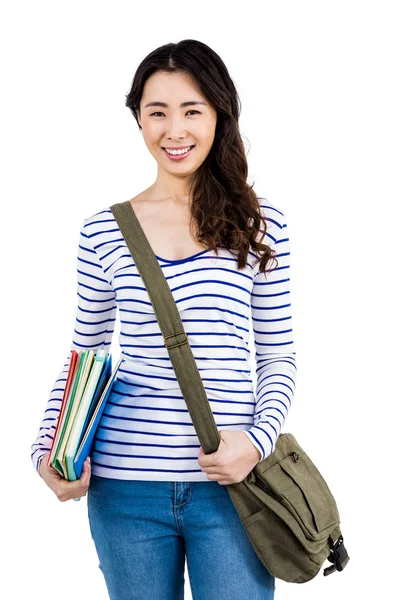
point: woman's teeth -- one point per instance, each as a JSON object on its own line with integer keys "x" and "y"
{"x": 177, "y": 152}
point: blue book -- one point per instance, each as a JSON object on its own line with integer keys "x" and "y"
{"x": 96, "y": 410}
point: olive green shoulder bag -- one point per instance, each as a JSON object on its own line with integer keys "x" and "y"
{"x": 284, "y": 503}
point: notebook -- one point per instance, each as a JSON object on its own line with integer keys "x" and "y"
{"x": 85, "y": 395}
{"x": 86, "y": 362}
{"x": 82, "y": 411}
{"x": 105, "y": 387}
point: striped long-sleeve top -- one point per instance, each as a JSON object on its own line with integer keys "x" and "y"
{"x": 146, "y": 431}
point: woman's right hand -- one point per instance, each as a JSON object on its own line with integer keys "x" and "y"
{"x": 63, "y": 488}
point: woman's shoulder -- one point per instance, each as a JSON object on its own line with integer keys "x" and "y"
{"x": 99, "y": 221}
{"x": 273, "y": 215}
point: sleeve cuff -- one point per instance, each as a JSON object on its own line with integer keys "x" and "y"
{"x": 261, "y": 439}
{"x": 255, "y": 442}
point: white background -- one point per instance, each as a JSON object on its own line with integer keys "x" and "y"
{"x": 318, "y": 83}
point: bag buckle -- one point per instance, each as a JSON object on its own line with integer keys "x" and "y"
{"x": 338, "y": 556}
{"x": 177, "y": 340}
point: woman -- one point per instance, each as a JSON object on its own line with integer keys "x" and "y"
{"x": 154, "y": 497}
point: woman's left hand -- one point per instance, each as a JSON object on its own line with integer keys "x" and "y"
{"x": 235, "y": 458}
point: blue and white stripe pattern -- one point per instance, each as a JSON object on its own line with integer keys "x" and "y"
{"x": 146, "y": 431}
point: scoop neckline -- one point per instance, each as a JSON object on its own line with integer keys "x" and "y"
{"x": 180, "y": 260}
{"x": 166, "y": 260}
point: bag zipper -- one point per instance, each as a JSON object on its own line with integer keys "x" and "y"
{"x": 266, "y": 487}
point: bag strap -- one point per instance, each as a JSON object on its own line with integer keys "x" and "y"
{"x": 169, "y": 320}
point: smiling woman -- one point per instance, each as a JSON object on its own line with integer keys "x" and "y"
{"x": 198, "y": 105}
{"x": 177, "y": 129}
{"x": 154, "y": 497}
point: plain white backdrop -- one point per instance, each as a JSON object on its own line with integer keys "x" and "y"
{"x": 319, "y": 86}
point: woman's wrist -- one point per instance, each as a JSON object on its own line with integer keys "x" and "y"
{"x": 43, "y": 458}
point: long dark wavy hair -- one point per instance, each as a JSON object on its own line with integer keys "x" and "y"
{"x": 224, "y": 206}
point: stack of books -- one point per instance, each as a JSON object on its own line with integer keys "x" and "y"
{"x": 85, "y": 395}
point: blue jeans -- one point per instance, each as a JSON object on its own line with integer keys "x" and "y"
{"x": 143, "y": 530}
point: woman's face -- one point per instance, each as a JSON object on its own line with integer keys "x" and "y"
{"x": 167, "y": 123}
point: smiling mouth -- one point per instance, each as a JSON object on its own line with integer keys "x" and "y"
{"x": 179, "y": 156}
{"x": 166, "y": 150}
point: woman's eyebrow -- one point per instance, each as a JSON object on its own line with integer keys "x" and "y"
{"x": 165, "y": 105}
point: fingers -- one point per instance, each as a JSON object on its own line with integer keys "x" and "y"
{"x": 68, "y": 490}
{"x": 85, "y": 476}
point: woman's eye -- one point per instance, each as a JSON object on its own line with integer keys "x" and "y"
{"x": 161, "y": 113}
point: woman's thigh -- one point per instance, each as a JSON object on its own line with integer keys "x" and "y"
{"x": 140, "y": 550}
{"x": 222, "y": 563}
